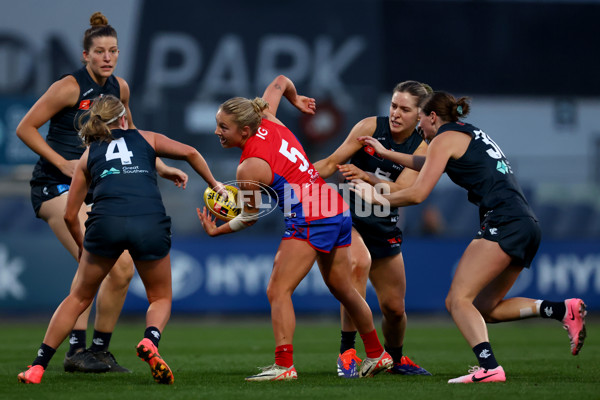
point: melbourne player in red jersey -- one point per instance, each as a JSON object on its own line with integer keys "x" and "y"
{"x": 317, "y": 224}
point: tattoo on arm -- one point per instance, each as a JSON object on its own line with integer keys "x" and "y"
{"x": 278, "y": 87}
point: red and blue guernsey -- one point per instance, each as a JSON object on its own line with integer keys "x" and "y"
{"x": 303, "y": 195}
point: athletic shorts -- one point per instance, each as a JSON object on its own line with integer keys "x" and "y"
{"x": 41, "y": 192}
{"x": 380, "y": 243}
{"x": 322, "y": 234}
{"x": 147, "y": 237}
{"x": 519, "y": 237}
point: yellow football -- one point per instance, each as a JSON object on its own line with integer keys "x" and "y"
{"x": 217, "y": 206}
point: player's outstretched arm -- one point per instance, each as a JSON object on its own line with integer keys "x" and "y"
{"x": 282, "y": 86}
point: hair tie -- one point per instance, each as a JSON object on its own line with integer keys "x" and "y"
{"x": 459, "y": 110}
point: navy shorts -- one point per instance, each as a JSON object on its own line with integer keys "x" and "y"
{"x": 147, "y": 237}
{"x": 519, "y": 237}
{"x": 41, "y": 192}
{"x": 322, "y": 234}
{"x": 380, "y": 243}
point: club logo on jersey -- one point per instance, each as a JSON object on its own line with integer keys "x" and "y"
{"x": 370, "y": 150}
{"x": 502, "y": 167}
{"x": 85, "y": 104}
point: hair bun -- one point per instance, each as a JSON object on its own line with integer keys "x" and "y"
{"x": 98, "y": 19}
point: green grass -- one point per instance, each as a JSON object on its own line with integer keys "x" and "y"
{"x": 210, "y": 359}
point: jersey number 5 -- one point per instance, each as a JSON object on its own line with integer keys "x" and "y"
{"x": 117, "y": 148}
{"x": 293, "y": 154}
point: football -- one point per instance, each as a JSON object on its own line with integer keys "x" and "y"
{"x": 217, "y": 206}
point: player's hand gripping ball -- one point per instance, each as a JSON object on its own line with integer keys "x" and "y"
{"x": 225, "y": 210}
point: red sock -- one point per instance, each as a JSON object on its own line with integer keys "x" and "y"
{"x": 373, "y": 347}
{"x": 284, "y": 355}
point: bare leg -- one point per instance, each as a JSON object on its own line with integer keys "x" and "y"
{"x": 361, "y": 263}
{"x": 335, "y": 268}
{"x": 156, "y": 276}
{"x": 91, "y": 272}
{"x": 52, "y": 211}
{"x": 293, "y": 261}
{"x": 388, "y": 279}
{"x": 112, "y": 294}
{"x": 482, "y": 262}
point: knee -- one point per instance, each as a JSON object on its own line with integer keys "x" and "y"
{"x": 360, "y": 268}
{"x": 276, "y": 293}
{"x": 122, "y": 272}
{"x": 450, "y": 302}
{"x": 81, "y": 300}
{"x": 393, "y": 310}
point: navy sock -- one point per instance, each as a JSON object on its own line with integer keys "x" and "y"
{"x": 77, "y": 341}
{"x": 348, "y": 341}
{"x": 100, "y": 341}
{"x": 554, "y": 310}
{"x": 485, "y": 355}
{"x": 44, "y": 356}
{"x": 395, "y": 352}
{"x": 153, "y": 334}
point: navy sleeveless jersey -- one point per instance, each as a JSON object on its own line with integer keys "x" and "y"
{"x": 123, "y": 175}
{"x": 369, "y": 161}
{"x": 486, "y": 174}
{"x": 63, "y": 135}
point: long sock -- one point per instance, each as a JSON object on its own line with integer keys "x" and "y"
{"x": 485, "y": 355}
{"x": 77, "y": 341}
{"x": 100, "y": 341}
{"x": 373, "y": 346}
{"x": 554, "y": 310}
{"x": 348, "y": 341}
{"x": 395, "y": 352}
{"x": 44, "y": 356}
{"x": 284, "y": 355}
{"x": 153, "y": 334}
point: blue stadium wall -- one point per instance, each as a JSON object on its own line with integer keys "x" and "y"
{"x": 229, "y": 276}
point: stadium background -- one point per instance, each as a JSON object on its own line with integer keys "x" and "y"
{"x": 530, "y": 68}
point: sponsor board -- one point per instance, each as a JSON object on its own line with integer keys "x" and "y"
{"x": 220, "y": 275}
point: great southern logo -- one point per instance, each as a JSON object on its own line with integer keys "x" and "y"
{"x": 111, "y": 171}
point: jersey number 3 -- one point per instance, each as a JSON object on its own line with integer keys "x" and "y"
{"x": 495, "y": 151}
{"x": 118, "y": 149}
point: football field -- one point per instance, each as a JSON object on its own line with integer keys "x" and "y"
{"x": 210, "y": 358}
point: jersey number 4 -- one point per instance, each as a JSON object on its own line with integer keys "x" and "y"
{"x": 118, "y": 149}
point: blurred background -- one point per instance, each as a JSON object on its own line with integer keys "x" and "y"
{"x": 530, "y": 68}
